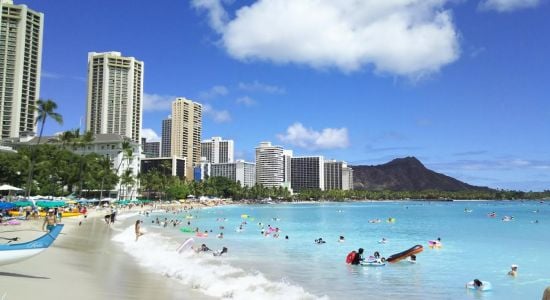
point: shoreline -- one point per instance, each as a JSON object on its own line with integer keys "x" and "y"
{"x": 84, "y": 263}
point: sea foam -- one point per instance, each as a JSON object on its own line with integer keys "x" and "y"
{"x": 210, "y": 275}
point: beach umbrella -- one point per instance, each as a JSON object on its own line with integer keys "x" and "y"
{"x": 50, "y": 204}
{"x": 6, "y": 205}
{"x": 23, "y": 203}
{"x": 7, "y": 187}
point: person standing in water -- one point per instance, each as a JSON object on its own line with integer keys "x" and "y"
{"x": 49, "y": 221}
{"x": 138, "y": 229}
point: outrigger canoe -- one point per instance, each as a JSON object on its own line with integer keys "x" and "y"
{"x": 12, "y": 253}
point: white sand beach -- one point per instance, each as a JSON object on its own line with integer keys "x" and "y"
{"x": 83, "y": 263}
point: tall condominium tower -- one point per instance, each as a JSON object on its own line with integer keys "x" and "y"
{"x": 166, "y": 139}
{"x": 218, "y": 151}
{"x": 270, "y": 165}
{"x": 338, "y": 176}
{"x": 20, "y": 62}
{"x": 308, "y": 173}
{"x": 115, "y": 95}
{"x": 186, "y": 132}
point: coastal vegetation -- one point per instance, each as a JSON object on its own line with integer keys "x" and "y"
{"x": 58, "y": 171}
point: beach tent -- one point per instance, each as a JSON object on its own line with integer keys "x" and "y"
{"x": 6, "y": 205}
{"x": 23, "y": 203}
{"x": 7, "y": 187}
{"x": 50, "y": 204}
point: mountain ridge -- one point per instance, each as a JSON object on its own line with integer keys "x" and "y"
{"x": 406, "y": 174}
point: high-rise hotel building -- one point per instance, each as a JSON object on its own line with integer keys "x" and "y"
{"x": 186, "y": 133}
{"x": 308, "y": 173}
{"x": 20, "y": 63}
{"x": 271, "y": 169}
{"x": 218, "y": 151}
{"x": 338, "y": 175}
{"x": 115, "y": 95}
{"x": 166, "y": 138}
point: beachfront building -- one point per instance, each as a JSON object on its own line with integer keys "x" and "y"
{"x": 347, "y": 178}
{"x": 239, "y": 171}
{"x": 20, "y": 67}
{"x": 107, "y": 145}
{"x": 166, "y": 138}
{"x": 287, "y": 167}
{"x": 217, "y": 151}
{"x": 150, "y": 149}
{"x": 186, "y": 132}
{"x": 202, "y": 170}
{"x": 307, "y": 173}
{"x": 115, "y": 95}
{"x": 338, "y": 176}
{"x": 168, "y": 166}
{"x": 271, "y": 166}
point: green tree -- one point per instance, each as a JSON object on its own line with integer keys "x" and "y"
{"x": 44, "y": 109}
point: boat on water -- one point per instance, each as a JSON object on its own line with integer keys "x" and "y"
{"x": 12, "y": 253}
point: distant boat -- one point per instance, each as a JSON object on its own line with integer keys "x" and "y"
{"x": 12, "y": 253}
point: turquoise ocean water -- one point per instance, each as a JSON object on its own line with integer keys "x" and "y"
{"x": 260, "y": 267}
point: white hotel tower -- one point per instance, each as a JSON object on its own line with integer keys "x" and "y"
{"x": 20, "y": 63}
{"x": 115, "y": 95}
{"x": 270, "y": 166}
{"x": 218, "y": 151}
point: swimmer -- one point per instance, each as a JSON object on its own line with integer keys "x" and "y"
{"x": 514, "y": 271}
{"x": 341, "y": 239}
{"x": 383, "y": 241}
{"x": 320, "y": 241}
{"x": 220, "y": 252}
{"x": 478, "y": 285}
{"x": 412, "y": 259}
{"x": 220, "y": 236}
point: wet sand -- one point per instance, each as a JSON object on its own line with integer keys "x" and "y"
{"x": 83, "y": 263}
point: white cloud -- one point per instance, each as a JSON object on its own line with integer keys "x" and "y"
{"x": 328, "y": 138}
{"x": 403, "y": 37}
{"x": 150, "y": 135}
{"x": 155, "y": 102}
{"x": 507, "y": 5}
{"x": 257, "y": 86}
{"x": 217, "y": 16}
{"x": 246, "y": 101}
{"x": 219, "y": 116}
{"x": 215, "y": 91}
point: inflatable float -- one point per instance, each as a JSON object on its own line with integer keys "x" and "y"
{"x": 187, "y": 230}
{"x": 373, "y": 261}
{"x": 435, "y": 244}
{"x": 485, "y": 287}
{"x": 391, "y": 220}
{"x": 402, "y": 255}
{"x": 201, "y": 235}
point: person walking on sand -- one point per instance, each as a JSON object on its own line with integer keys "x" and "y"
{"x": 138, "y": 229}
{"x": 49, "y": 221}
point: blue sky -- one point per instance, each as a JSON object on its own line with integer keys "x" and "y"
{"x": 462, "y": 85}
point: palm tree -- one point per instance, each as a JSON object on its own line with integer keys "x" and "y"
{"x": 127, "y": 155}
{"x": 45, "y": 109}
{"x": 83, "y": 141}
{"x": 105, "y": 164}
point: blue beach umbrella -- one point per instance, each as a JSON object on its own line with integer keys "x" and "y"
{"x": 7, "y": 205}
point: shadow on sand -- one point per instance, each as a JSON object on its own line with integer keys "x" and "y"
{"x": 22, "y": 275}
